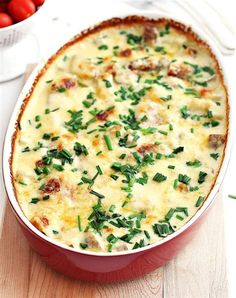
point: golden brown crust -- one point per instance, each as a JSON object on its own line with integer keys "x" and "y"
{"x": 130, "y": 20}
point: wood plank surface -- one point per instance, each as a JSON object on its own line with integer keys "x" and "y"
{"x": 199, "y": 271}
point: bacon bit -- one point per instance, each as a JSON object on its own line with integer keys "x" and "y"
{"x": 143, "y": 67}
{"x": 102, "y": 116}
{"x": 44, "y": 220}
{"x": 126, "y": 53}
{"x": 178, "y": 71}
{"x": 69, "y": 83}
{"x": 204, "y": 91}
{"x": 110, "y": 69}
{"x": 109, "y": 230}
{"x": 191, "y": 51}
{"x": 52, "y": 186}
{"x": 36, "y": 224}
{"x": 216, "y": 140}
{"x": 182, "y": 187}
{"x": 39, "y": 163}
{"x": 59, "y": 146}
{"x": 149, "y": 34}
{"x": 66, "y": 83}
{"x": 95, "y": 142}
{"x": 147, "y": 148}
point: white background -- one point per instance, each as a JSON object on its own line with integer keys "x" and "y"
{"x": 65, "y": 18}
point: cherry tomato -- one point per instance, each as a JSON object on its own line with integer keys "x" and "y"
{"x": 3, "y": 6}
{"x": 21, "y": 9}
{"x": 5, "y": 20}
{"x": 38, "y": 2}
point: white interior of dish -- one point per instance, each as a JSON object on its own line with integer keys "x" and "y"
{"x": 11, "y": 129}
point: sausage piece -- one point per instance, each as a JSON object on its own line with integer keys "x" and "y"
{"x": 125, "y": 53}
{"x": 52, "y": 186}
{"x": 216, "y": 140}
{"x": 149, "y": 34}
{"x": 144, "y": 65}
{"x": 102, "y": 116}
{"x": 40, "y": 223}
{"x": 66, "y": 83}
{"x": 178, "y": 71}
{"x": 146, "y": 148}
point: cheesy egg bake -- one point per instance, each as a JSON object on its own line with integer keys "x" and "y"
{"x": 122, "y": 136}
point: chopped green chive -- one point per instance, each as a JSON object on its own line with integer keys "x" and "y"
{"x": 178, "y": 150}
{"x": 184, "y": 179}
{"x": 122, "y": 156}
{"x": 34, "y": 200}
{"x": 38, "y": 126}
{"x": 159, "y": 177}
{"x": 201, "y": 177}
{"x": 61, "y": 89}
{"x": 213, "y": 123}
{"x": 108, "y": 142}
{"x": 37, "y": 118}
{"x": 103, "y": 47}
{"x": 167, "y": 98}
{"x": 57, "y": 167}
{"x": 199, "y": 201}
{"x": 114, "y": 177}
{"x": 215, "y": 155}
{"x": 175, "y": 184}
{"x": 179, "y": 217}
{"x": 163, "y": 132}
{"x": 22, "y": 183}
{"x": 196, "y": 163}
{"x": 193, "y": 188}
{"x": 149, "y": 130}
{"x": 184, "y": 112}
{"x": 100, "y": 196}
{"x": 112, "y": 239}
{"x": 83, "y": 245}
{"x": 112, "y": 208}
{"x": 147, "y": 234}
{"x": 46, "y": 136}
{"x": 169, "y": 214}
{"x": 232, "y": 196}
{"x": 79, "y": 223}
{"x": 80, "y": 149}
{"x": 107, "y": 83}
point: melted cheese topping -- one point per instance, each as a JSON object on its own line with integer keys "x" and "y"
{"x": 122, "y": 138}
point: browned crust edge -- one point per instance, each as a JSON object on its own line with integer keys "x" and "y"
{"x": 115, "y": 22}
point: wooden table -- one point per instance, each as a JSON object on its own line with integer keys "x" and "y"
{"x": 199, "y": 271}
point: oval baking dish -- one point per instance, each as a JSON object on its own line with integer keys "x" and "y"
{"x": 119, "y": 255}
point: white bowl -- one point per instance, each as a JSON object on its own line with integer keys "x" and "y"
{"x": 18, "y": 46}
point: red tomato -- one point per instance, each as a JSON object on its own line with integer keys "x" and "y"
{"x": 3, "y": 6}
{"x": 38, "y": 2}
{"x": 21, "y": 9}
{"x": 5, "y": 20}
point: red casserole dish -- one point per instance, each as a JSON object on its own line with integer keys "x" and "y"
{"x": 106, "y": 267}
